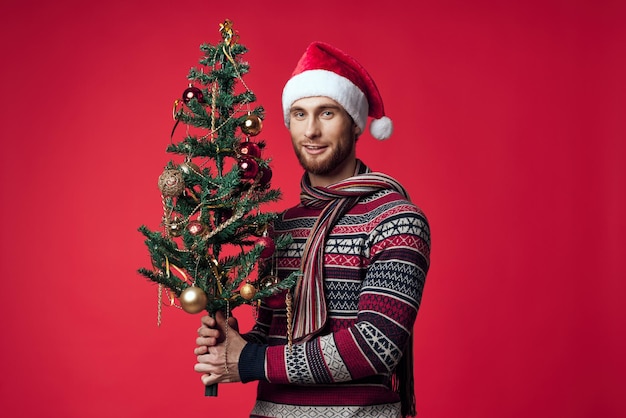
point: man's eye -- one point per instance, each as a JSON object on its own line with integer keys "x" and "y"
{"x": 327, "y": 113}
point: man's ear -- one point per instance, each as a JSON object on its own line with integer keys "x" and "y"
{"x": 357, "y": 131}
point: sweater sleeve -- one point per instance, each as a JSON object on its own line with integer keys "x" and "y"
{"x": 389, "y": 299}
{"x": 252, "y": 358}
{"x": 252, "y": 362}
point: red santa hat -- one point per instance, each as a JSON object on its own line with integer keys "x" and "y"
{"x": 324, "y": 70}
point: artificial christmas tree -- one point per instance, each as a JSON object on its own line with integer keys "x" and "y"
{"x": 214, "y": 234}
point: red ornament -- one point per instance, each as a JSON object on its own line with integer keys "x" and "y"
{"x": 269, "y": 246}
{"x": 250, "y": 149}
{"x": 195, "y": 228}
{"x": 277, "y": 301}
{"x": 224, "y": 215}
{"x": 266, "y": 176}
{"x": 249, "y": 168}
{"x": 193, "y": 93}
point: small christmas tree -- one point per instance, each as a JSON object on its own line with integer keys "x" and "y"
{"x": 214, "y": 234}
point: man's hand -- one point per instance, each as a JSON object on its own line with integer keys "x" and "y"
{"x": 218, "y": 350}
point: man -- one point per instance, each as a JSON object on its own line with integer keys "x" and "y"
{"x": 340, "y": 343}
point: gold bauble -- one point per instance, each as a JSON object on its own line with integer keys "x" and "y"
{"x": 175, "y": 226}
{"x": 193, "y": 300}
{"x": 188, "y": 167}
{"x": 252, "y": 125}
{"x": 247, "y": 291}
{"x": 171, "y": 183}
{"x": 270, "y": 281}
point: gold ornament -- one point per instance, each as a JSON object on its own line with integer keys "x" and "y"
{"x": 252, "y": 125}
{"x": 270, "y": 281}
{"x": 171, "y": 183}
{"x": 175, "y": 226}
{"x": 175, "y": 110}
{"x": 193, "y": 300}
{"x": 188, "y": 167}
{"x": 247, "y": 291}
{"x": 228, "y": 34}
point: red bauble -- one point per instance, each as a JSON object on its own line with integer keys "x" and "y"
{"x": 268, "y": 246}
{"x": 250, "y": 149}
{"x": 266, "y": 176}
{"x": 196, "y": 228}
{"x": 192, "y": 93}
{"x": 277, "y": 301}
{"x": 249, "y": 168}
{"x": 224, "y": 214}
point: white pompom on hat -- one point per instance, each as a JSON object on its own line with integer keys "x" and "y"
{"x": 324, "y": 70}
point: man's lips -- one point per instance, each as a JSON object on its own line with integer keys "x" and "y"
{"x": 314, "y": 149}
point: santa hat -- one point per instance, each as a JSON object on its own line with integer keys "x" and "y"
{"x": 324, "y": 70}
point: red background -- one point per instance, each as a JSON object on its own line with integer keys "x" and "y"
{"x": 509, "y": 134}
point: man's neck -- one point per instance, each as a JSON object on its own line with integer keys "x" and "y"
{"x": 326, "y": 180}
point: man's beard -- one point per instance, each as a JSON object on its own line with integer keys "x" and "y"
{"x": 322, "y": 167}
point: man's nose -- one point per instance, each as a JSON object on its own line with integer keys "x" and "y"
{"x": 312, "y": 130}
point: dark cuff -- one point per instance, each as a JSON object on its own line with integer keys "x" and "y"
{"x": 252, "y": 362}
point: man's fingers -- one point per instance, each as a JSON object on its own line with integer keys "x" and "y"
{"x": 209, "y": 363}
{"x": 208, "y": 341}
{"x": 208, "y": 321}
{"x": 210, "y": 379}
{"x": 208, "y": 332}
{"x": 201, "y": 349}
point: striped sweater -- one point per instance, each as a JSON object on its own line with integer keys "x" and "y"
{"x": 375, "y": 264}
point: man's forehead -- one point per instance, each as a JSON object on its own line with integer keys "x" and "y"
{"x": 315, "y": 102}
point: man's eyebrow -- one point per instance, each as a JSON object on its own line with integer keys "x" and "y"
{"x": 320, "y": 107}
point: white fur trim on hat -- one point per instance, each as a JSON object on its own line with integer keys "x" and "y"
{"x": 329, "y": 84}
{"x": 381, "y": 128}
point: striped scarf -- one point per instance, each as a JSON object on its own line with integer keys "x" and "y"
{"x": 335, "y": 200}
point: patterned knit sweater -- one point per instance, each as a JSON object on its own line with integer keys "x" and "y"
{"x": 375, "y": 264}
